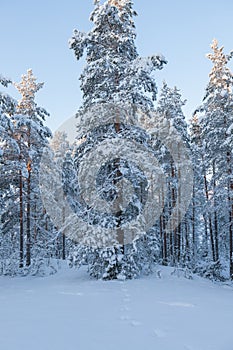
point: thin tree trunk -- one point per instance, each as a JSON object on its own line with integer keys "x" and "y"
{"x": 210, "y": 221}
{"x": 63, "y": 237}
{"x": 216, "y": 235}
{"x": 35, "y": 220}
{"x": 193, "y": 224}
{"x": 215, "y": 217}
{"x": 231, "y": 242}
{"x": 230, "y": 201}
{"x": 28, "y": 243}
{"x": 175, "y": 230}
{"x": 21, "y": 233}
{"x": 164, "y": 242}
{"x": 163, "y": 234}
{"x": 179, "y": 228}
{"x": 187, "y": 245}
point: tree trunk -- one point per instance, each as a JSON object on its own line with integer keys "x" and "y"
{"x": 163, "y": 234}
{"x": 230, "y": 201}
{"x": 187, "y": 245}
{"x": 179, "y": 228}
{"x": 63, "y": 237}
{"x": 175, "y": 256}
{"x": 231, "y": 241}
{"x": 21, "y": 233}
{"x": 28, "y": 243}
{"x": 194, "y": 224}
{"x": 210, "y": 221}
{"x": 120, "y": 232}
{"x": 215, "y": 216}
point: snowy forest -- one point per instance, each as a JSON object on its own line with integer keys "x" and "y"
{"x": 143, "y": 185}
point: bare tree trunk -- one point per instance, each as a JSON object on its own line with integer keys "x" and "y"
{"x": 215, "y": 217}
{"x": 21, "y": 233}
{"x": 187, "y": 244}
{"x": 29, "y": 169}
{"x": 163, "y": 234}
{"x": 28, "y": 242}
{"x": 179, "y": 228}
{"x": 210, "y": 221}
{"x": 230, "y": 201}
{"x": 35, "y": 221}
{"x": 171, "y": 234}
{"x": 231, "y": 241}
{"x": 194, "y": 225}
{"x": 175, "y": 231}
{"x": 164, "y": 242}
{"x": 63, "y": 237}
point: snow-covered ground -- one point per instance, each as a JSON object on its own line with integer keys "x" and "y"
{"x": 68, "y": 311}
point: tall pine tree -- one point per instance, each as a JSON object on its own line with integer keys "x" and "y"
{"x": 115, "y": 74}
{"x": 32, "y": 136}
{"x": 215, "y": 123}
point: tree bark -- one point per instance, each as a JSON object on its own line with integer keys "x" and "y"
{"x": 215, "y": 217}
{"x": 28, "y": 243}
{"x": 175, "y": 231}
{"x": 21, "y": 233}
{"x": 193, "y": 224}
{"x": 29, "y": 169}
{"x": 120, "y": 232}
{"x": 210, "y": 221}
{"x": 63, "y": 237}
{"x": 230, "y": 201}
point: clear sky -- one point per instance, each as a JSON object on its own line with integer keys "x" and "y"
{"x": 34, "y": 34}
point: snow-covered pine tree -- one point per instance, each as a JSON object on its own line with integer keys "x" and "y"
{"x": 170, "y": 106}
{"x": 175, "y": 245}
{"x": 114, "y": 74}
{"x": 32, "y": 136}
{"x": 197, "y": 218}
{"x": 217, "y": 156}
{"x": 60, "y": 146}
{"x": 114, "y": 70}
{"x": 9, "y": 165}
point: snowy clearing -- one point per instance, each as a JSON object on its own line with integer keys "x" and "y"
{"x": 70, "y": 311}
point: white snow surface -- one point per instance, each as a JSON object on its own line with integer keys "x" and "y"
{"x": 68, "y": 311}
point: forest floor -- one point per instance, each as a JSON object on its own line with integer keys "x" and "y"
{"x": 68, "y": 311}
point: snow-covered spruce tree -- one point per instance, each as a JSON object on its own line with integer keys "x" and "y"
{"x": 197, "y": 219}
{"x": 176, "y": 244}
{"x": 170, "y": 106}
{"x": 60, "y": 146}
{"x": 217, "y": 119}
{"x": 54, "y": 174}
{"x": 32, "y": 136}
{"x": 114, "y": 74}
{"x": 9, "y": 165}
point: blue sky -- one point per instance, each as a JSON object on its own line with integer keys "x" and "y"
{"x": 34, "y": 34}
